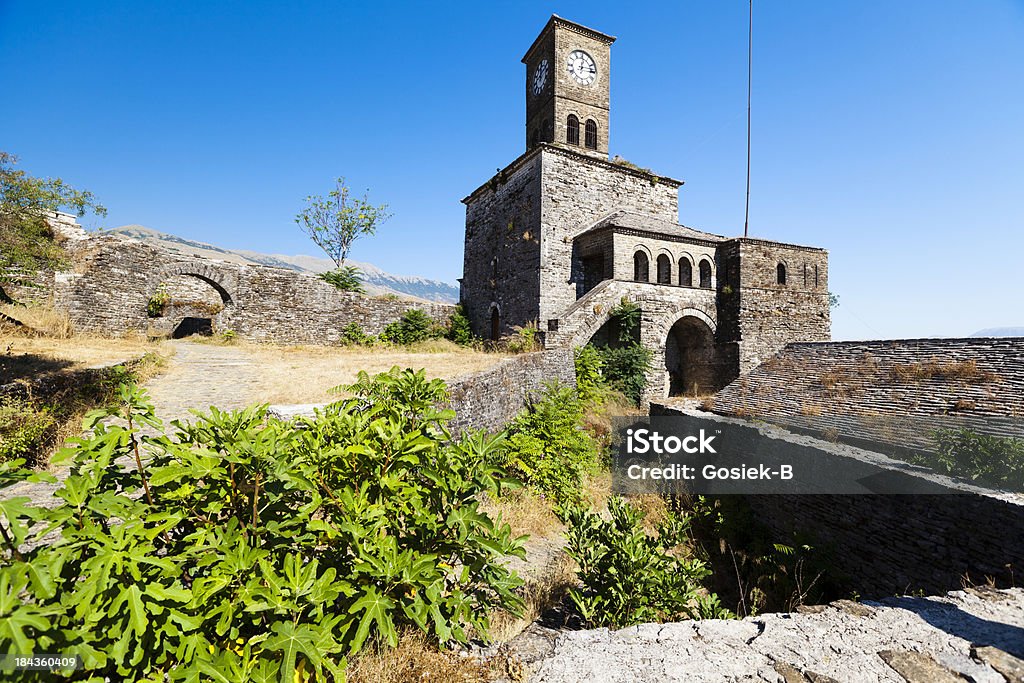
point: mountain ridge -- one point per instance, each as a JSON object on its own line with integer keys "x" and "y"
{"x": 376, "y": 280}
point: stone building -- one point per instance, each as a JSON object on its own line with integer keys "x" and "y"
{"x": 562, "y": 234}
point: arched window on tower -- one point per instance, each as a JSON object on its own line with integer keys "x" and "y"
{"x": 664, "y": 270}
{"x": 545, "y": 131}
{"x": 705, "y": 274}
{"x": 685, "y": 272}
{"x": 780, "y": 274}
{"x": 572, "y": 130}
{"x": 641, "y": 267}
{"x": 590, "y": 142}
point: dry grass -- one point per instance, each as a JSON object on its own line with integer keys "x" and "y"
{"x": 525, "y": 512}
{"x": 40, "y": 321}
{"x": 415, "y": 660}
{"x": 304, "y": 374}
{"x": 27, "y": 357}
{"x": 810, "y": 410}
{"x": 540, "y": 594}
{"x": 964, "y": 371}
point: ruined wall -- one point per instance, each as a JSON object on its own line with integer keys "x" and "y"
{"x": 502, "y": 248}
{"x": 113, "y": 279}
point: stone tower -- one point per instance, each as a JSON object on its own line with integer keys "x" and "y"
{"x": 568, "y": 78}
{"x": 561, "y": 235}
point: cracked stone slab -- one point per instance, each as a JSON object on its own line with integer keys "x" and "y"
{"x": 1010, "y": 667}
{"x": 838, "y": 643}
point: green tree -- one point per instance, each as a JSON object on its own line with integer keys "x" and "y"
{"x": 334, "y": 221}
{"x": 26, "y": 238}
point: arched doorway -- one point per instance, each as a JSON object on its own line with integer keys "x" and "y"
{"x": 186, "y": 304}
{"x": 690, "y": 358}
{"x": 495, "y": 323}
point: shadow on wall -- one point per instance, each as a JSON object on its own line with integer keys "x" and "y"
{"x": 193, "y": 326}
{"x": 4, "y": 298}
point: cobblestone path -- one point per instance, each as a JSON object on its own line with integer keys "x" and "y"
{"x": 196, "y": 377}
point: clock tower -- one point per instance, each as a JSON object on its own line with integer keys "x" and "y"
{"x": 567, "y": 88}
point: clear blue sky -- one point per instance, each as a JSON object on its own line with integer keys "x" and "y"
{"x": 888, "y": 132}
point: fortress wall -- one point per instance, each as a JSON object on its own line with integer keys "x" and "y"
{"x": 112, "y": 279}
{"x": 502, "y": 248}
{"x": 763, "y": 315}
{"x": 897, "y": 544}
{"x": 892, "y": 393}
{"x": 881, "y": 545}
{"x": 490, "y": 399}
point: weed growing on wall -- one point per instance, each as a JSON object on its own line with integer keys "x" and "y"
{"x": 246, "y": 548}
{"x": 345, "y": 279}
{"x": 623, "y": 364}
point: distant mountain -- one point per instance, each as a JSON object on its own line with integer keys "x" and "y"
{"x": 1000, "y": 332}
{"x": 376, "y": 280}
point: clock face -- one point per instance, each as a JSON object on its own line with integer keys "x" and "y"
{"x": 540, "y": 77}
{"x": 582, "y": 67}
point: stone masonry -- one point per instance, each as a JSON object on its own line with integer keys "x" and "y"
{"x": 561, "y": 235}
{"x": 112, "y": 278}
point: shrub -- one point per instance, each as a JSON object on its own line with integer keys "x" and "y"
{"x": 412, "y": 327}
{"x": 24, "y": 429}
{"x": 353, "y": 335}
{"x": 246, "y": 548}
{"x": 630, "y": 577}
{"x": 987, "y": 459}
{"x": 589, "y": 378}
{"x": 525, "y": 340}
{"x": 157, "y": 303}
{"x": 626, "y": 368}
{"x": 459, "y": 330}
{"x": 546, "y": 447}
{"x": 346, "y": 278}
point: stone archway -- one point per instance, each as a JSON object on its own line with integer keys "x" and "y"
{"x": 190, "y": 300}
{"x": 690, "y": 357}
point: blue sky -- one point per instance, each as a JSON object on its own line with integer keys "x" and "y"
{"x": 888, "y": 132}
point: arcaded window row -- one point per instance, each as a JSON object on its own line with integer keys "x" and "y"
{"x": 641, "y": 270}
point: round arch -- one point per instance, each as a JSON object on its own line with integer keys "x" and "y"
{"x": 691, "y": 356}
{"x": 222, "y": 282}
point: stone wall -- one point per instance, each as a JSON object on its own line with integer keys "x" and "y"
{"x": 577, "y": 191}
{"x": 760, "y": 314}
{"x": 113, "y": 278}
{"x": 490, "y": 399}
{"x": 502, "y": 249}
{"x": 886, "y": 544}
{"x": 893, "y": 392}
